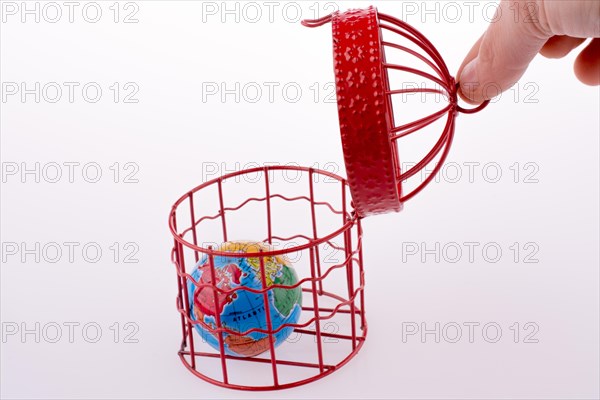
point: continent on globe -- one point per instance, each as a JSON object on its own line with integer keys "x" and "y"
{"x": 242, "y": 310}
{"x": 224, "y": 277}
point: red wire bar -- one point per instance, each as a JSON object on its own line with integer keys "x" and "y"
{"x": 317, "y": 317}
{"x": 445, "y": 80}
{"x": 189, "y": 278}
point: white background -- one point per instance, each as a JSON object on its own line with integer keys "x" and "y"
{"x": 172, "y": 135}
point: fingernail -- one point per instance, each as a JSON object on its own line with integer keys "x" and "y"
{"x": 469, "y": 79}
{"x": 469, "y": 73}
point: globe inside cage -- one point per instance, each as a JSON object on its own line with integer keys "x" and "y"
{"x": 242, "y": 311}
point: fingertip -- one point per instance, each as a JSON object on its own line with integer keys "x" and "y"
{"x": 587, "y": 64}
{"x": 560, "y": 46}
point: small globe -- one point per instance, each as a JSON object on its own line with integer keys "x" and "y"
{"x": 242, "y": 310}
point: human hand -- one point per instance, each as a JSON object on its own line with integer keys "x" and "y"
{"x": 520, "y": 30}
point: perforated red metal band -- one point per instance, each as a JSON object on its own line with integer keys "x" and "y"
{"x": 364, "y": 114}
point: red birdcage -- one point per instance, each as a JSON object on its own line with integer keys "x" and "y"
{"x": 315, "y": 217}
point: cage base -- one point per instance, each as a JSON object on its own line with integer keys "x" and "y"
{"x": 327, "y": 369}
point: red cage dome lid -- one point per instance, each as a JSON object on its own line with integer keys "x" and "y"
{"x": 368, "y": 131}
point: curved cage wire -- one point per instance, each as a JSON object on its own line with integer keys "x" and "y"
{"x": 304, "y": 214}
{"x": 366, "y": 43}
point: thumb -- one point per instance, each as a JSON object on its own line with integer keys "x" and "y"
{"x": 503, "y": 53}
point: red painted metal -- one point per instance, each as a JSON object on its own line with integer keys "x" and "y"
{"x": 369, "y": 134}
{"x": 348, "y": 303}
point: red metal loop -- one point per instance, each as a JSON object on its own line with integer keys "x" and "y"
{"x": 473, "y": 110}
{"x": 467, "y": 110}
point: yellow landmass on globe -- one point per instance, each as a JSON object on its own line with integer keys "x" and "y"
{"x": 272, "y": 264}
